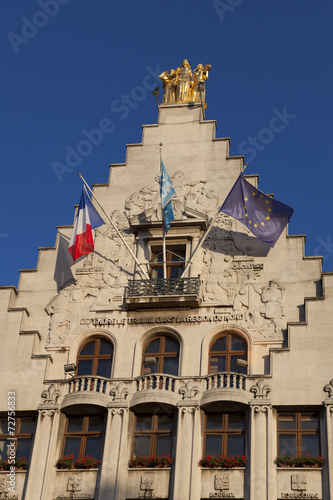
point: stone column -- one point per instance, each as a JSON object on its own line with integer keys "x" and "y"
{"x": 43, "y": 456}
{"x": 260, "y": 455}
{"x": 140, "y": 255}
{"x": 113, "y": 474}
{"x": 328, "y": 480}
{"x": 187, "y": 475}
{"x": 196, "y": 266}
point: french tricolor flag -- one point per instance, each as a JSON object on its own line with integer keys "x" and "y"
{"x": 87, "y": 218}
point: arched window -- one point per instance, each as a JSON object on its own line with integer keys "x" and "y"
{"x": 224, "y": 352}
{"x": 95, "y": 358}
{"x": 161, "y": 355}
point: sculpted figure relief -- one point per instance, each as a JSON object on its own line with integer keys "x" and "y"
{"x": 182, "y": 85}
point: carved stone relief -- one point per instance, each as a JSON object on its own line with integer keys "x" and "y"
{"x": 5, "y": 493}
{"x": 74, "y": 483}
{"x": 195, "y": 194}
{"x": 146, "y": 488}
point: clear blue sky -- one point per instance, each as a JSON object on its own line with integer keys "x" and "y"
{"x": 68, "y": 64}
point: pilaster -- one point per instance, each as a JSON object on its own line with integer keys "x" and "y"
{"x": 43, "y": 456}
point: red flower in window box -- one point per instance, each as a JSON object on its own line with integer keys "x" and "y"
{"x": 223, "y": 461}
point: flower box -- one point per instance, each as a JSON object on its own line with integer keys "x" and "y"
{"x": 21, "y": 463}
{"x": 87, "y": 462}
{"x": 153, "y": 461}
{"x": 306, "y": 461}
{"x": 222, "y": 461}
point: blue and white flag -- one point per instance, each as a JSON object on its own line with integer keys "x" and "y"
{"x": 167, "y": 193}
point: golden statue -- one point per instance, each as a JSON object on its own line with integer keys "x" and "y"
{"x": 200, "y": 75}
{"x": 182, "y": 85}
{"x": 183, "y": 82}
{"x": 169, "y": 89}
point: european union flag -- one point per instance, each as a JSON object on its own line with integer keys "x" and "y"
{"x": 167, "y": 193}
{"x": 265, "y": 217}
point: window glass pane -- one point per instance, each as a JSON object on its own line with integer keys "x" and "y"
{"x": 214, "y": 421}
{"x": 220, "y": 344}
{"x": 165, "y": 422}
{"x": 104, "y": 368}
{"x": 105, "y": 347}
{"x": 163, "y": 445}
{"x": 175, "y": 272}
{"x": 309, "y": 421}
{"x": 75, "y": 424}
{"x": 235, "y": 421}
{"x": 84, "y": 367}
{"x": 177, "y": 256}
{"x": 154, "y": 346}
{"x": 235, "y": 444}
{"x": 143, "y": 422}
{"x": 171, "y": 345}
{"x": 213, "y": 444}
{"x": 287, "y": 444}
{"x": 3, "y": 426}
{"x": 93, "y": 446}
{"x": 142, "y": 445}
{"x": 23, "y": 448}
{"x": 170, "y": 366}
{"x": 287, "y": 421}
{"x": 88, "y": 348}
{"x": 237, "y": 344}
{"x": 234, "y": 367}
{"x": 3, "y": 450}
{"x": 310, "y": 444}
{"x": 217, "y": 364}
{"x": 96, "y": 423}
{"x": 27, "y": 425}
{"x": 72, "y": 445}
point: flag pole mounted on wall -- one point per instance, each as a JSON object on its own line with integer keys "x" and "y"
{"x": 115, "y": 228}
{"x": 167, "y": 193}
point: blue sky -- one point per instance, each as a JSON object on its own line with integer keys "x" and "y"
{"x": 68, "y": 66}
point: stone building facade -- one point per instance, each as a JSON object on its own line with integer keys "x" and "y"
{"x": 234, "y": 357}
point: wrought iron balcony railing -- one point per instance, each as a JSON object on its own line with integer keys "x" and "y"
{"x": 162, "y": 287}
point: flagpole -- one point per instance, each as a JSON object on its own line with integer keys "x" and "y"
{"x": 115, "y": 228}
{"x": 201, "y": 241}
{"x": 163, "y": 223}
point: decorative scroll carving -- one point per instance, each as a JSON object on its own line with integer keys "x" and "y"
{"x": 48, "y": 413}
{"x": 189, "y": 391}
{"x": 329, "y": 389}
{"x": 262, "y": 408}
{"x": 51, "y": 395}
{"x": 147, "y": 487}
{"x": 260, "y": 390}
{"x": 119, "y": 393}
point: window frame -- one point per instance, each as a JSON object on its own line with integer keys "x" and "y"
{"x": 156, "y": 249}
{"x": 83, "y": 434}
{"x": 225, "y": 432}
{"x": 298, "y": 431}
{"x": 161, "y": 355}
{"x": 228, "y": 353}
{"x": 95, "y": 357}
{"x": 154, "y": 432}
{"x": 17, "y": 433}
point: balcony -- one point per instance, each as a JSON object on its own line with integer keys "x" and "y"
{"x": 225, "y": 386}
{"x": 88, "y": 389}
{"x": 176, "y": 292}
{"x": 156, "y": 387}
